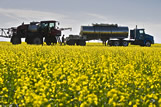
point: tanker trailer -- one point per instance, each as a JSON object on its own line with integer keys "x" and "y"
{"x": 109, "y": 32}
{"x": 101, "y": 32}
{"x": 104, "y": 32}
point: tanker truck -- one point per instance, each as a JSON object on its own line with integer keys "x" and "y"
{"x": 114, "y": 34}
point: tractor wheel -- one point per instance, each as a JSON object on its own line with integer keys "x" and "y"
{"x": 54, "y": 40}
{"x": 116, "y": 43}
{"x": 125, "y": 43}
{"x": 48, "y": 43}
{"x": 28, "y": 40}
{"x": 47, "y": 40}
{"x": 15, "y": 40}
{"x": 148, "y": 44}
{"x": 37, "y": 40}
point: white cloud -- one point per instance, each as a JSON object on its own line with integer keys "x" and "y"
{"x": 28, "y": 15}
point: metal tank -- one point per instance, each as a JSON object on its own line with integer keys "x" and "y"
{"x": 33, "y": 26}
{"x": 104, "y": 31}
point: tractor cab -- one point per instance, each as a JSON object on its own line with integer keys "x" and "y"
{"x": 50, "y": 28}
{"x": 141, "y": 38}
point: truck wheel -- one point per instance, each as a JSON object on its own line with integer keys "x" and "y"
{"x": 148, "y": 44}
{"x": 125, "y": 43}
{"x": 37, "y": 40}
{"x": 15, "y": 40}
{"x": 116, "y": 43}
{"x": 110, "y": 43}
{"x": 83, "y": 43}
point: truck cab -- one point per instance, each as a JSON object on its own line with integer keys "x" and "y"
{"x": 141, "y": 38}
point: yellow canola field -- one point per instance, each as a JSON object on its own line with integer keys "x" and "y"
{"x": 92, "y": 75}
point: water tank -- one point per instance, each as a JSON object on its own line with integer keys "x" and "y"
{"x": 104, "y": 31}
{"x": 33, "y": 27}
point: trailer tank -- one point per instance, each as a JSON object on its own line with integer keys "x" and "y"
{"x": 104, "y": 31}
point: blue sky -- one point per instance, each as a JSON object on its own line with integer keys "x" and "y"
{"x": 74, "y": 13}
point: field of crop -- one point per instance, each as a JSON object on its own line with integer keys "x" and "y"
{"x": 92, "y": 75}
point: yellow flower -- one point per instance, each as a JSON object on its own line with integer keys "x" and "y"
{"x": 93, "y": 75}
{"x": 84, "y": 104}
{"x": 61, "y": 104}
{"x": 130, "y": 103}
{"x": 135, "y": 105}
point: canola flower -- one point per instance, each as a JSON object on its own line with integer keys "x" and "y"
{"x": 92, "y": 75}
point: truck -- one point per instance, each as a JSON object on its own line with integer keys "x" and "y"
{"x": 114, "y": 34}
{"x": 34, "y": 32}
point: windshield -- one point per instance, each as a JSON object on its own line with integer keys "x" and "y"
{"x": 141, "y": 31}
{"x": 52, "y": 25}
{"x": 44, "y": 25}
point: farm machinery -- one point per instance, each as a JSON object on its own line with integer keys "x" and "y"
{"x": 49, "y": 32}
{"x": 34, "y": 33}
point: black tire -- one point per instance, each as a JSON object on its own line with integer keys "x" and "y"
{"x": 81, "y": 43}
{"x": 116, "y": 43}
{"x": 15, "y": 40}
{"x": 54, "y": 41}
{"x": 125, "y": 43}
{"x": 28, "y": 40}
{"x": 37, "y": 40}
{"x": 70, "y": 42}
{"x": 48, "y": 40}
{"x": 148, "y": 44}
{"x": 110, "y": 43}
{"x": 48, "y": 43}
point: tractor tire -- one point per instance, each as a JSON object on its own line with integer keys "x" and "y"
{"x": 15, "y": 40}
{"x": 28, "y": 40}
{"x": 48, "y": 43}
{"x": 54, "y": 41}
{"x": 148, "y": 44}
{"x": 37, "y": 40}
{"x": 47, "y": 40}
